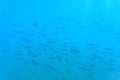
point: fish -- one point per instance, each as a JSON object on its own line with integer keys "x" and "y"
{"x": 54, "y": 69}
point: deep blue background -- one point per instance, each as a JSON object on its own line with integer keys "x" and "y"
{"x": 59, "y": 40}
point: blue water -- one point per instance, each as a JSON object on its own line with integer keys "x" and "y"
{"x": 59, "y": 40}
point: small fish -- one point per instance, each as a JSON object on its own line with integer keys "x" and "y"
{"x": 110, "y": 64}
{"x": 25, "y": 62}
{"x": 109, "y": 69}
{"x": 108, "y": 49}
{"x": 35, "y": 63}
{"x": 63, "y": 79}
{"x": 82, "y": 27}
{"x": 14, "y": 24}
{"x": 31, "y": 71}
{"x": 95, "y": 22}
{"x": 5, "y": 54}
{"x": 96, "y": 57}
{"x": 18, "y": 77}
{"x": 68, "y": 71}
{"x": 34, "y": 56}
{"x": 77, "y": 22}
{"x": 104, "y": 30}
{"x": 91, "y": 44}
{"x": 83, "y": 68}
{"x": 35, "y": 24}
{"x": 54, "y": 69}
{"x": 58, "y": 17}
{"x": 28, "y": 46}
{"x": 59, "y": 58}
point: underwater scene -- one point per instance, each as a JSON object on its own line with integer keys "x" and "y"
{"x": 59, "y": 39}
